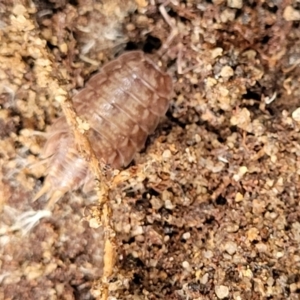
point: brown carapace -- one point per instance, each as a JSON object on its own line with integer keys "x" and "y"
{"x": 123, "y": 104}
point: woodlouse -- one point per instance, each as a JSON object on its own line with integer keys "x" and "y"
{"x": 123, "y": 104}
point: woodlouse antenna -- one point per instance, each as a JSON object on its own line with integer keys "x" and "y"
{"x": 28, "y": 220}
{"x": 174, "y": 31}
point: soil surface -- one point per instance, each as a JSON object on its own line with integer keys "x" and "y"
{"x": 210, "y": 208}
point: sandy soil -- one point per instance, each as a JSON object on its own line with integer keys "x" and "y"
{"x": 210, "y": 208}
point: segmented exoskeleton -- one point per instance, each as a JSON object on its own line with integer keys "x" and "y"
{"x": 123, "y": 104}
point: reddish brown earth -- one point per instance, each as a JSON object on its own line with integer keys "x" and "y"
{"x": 210, "y": 208}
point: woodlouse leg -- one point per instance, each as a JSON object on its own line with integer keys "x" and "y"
{"x": 43, "y": 161}
{"x": 174, "y": 32}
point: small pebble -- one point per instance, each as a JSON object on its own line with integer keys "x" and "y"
{"x": 239, "y": 197}
{"x": 291, "y": 14}
{"x": 137, "y": 230}
{"x": 296, "y": 114}
{"x": 258, "y": 206}
{"x": 279, "y": 254}
{"x": 169, "y": 205}
{"x": 63, "y": 48}
{"x": 252, "y": 234}
{"x": 141, "y": 3}
{"x": 140, "y": 238}
{"x": 293, "y": 287}
{"x": 236, "y": 296}
{"x": 216, "y": 52}
{"x": 185, "y": 264}
{"x": 235, "y": 3}
{"x": 241, "y": 172}
{"x": 142, "y": 20}
{"x": 19, "y": 10}
{"x": 130, "y": 27}
{"x": 230, "y": 247}
{"x": 261, "y": 247}
{"x": 186, "y": 235}
{"x": 167, "y": 154}
{"x": 232, "y": 228}
{"x": 221, "y": 291}
{"x": 156, "y": 203}
{"x": 94, "y": 223}
{"x": 204, "y": 279}
{"x": 226, "y": 72}
{"x": 247, "y": 273}
{"x": 208, "y": 254}
{"x": 227, "y": 15}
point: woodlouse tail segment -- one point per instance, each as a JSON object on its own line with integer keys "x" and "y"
{"x": 53, "y": 196}
{"x": 56, "y": 195}
{"x": 43, "y": 191}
